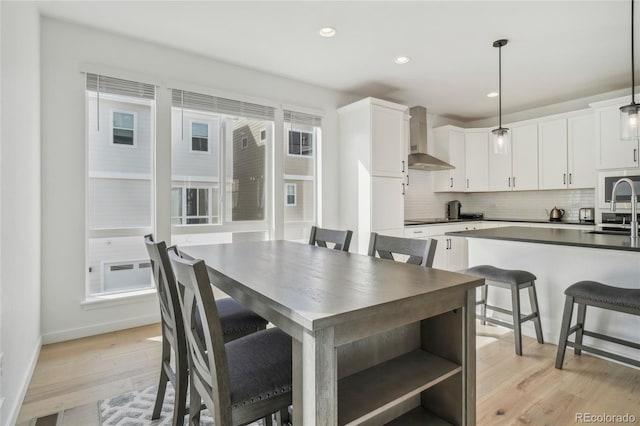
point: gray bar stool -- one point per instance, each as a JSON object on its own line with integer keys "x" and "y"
{"x": 514, "y": 280}
{"x": 592, "y": 293}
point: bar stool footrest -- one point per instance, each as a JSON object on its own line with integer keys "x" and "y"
{"x": 603, "y": 353}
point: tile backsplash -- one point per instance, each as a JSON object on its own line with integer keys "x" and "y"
{"x": 422, "y": 202}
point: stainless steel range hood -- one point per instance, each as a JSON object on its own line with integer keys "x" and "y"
{"x": 418, "y": 157}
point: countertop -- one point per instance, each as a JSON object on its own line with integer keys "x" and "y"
{"x": 564, "y": 237}
{"x": 437, "y": 221}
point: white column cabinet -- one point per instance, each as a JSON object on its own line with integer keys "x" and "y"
{"x": 373, "y": 141}
{"x": 524, "y": 156}
{"x": 449, "y": 146}
{"x": 552, "y": 150}
{"x": 477, "y": 160}
{"x": 582, "y": 149}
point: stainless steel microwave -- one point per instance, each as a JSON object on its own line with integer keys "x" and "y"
{"x": 623, "y": 194}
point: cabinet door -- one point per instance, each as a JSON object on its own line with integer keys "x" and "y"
{"x": 524, "y": 155}
{"x": 388, "y": 142}
{"x": 448, "y": 145}
{"x": 477, "y": 161}
{"x": 457, "y": 255}
{"x": 552, "y": 150}
{"x": 613, "y": 152}
{"x": 457, "y": 159}
{"x": 500, "y": 169}
{"x": 387, "y": 203}
{"x": 440, "y": 257}
{"x": 582, "y": 152}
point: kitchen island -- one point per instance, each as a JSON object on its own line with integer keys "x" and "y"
{"x": 559, "y": 258}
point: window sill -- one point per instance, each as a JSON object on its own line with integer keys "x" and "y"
{"x": 110, "y": 300}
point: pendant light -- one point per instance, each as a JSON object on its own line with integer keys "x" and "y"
{"x": 629, "y": 113}
{"x": 501, "y": 134}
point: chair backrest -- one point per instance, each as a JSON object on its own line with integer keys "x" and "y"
{"x": 420, "y": 251}
{"x": 322, "y": 236}
{"x": 207, "y": 357}
{"x": 166, "y": 288}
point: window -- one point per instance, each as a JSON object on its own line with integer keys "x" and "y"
{"x": 290, "y": 194}
{"x": 263, "y": 135}
{"x": 123, "y": 125}
{"x": 199, "y": 137}
{"x": 191, "y": 206}
{"x": 119, "y": 183}
{"x": 244, "y": 142}
{"x": 300, "y": 143}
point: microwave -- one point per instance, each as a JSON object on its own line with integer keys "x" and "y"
{"x": 623, "y": 194}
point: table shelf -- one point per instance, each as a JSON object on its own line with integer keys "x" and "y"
{"x": 418, "y": 417}
{"x": 364, "y": 395}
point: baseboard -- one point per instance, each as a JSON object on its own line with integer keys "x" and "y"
{"x": 14, "y": 411}
{"x": 77, "y": 333}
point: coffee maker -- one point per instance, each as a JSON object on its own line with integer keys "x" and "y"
{"x": 453, "y": 209}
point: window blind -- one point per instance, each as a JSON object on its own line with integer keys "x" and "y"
{"x": 200, "y": 102}
{"x": 117, "y": 86}
{"x": 302, "y": 118}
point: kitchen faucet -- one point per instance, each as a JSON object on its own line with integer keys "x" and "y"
{"x": 634, "y": 206}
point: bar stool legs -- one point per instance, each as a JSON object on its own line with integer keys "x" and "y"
{"x": 515, "y": 308}
{"x": 533, "y": 300}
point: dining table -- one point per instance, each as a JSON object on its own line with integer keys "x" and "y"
{"x": 375, "y": 341}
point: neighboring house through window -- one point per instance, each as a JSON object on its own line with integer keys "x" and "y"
{"x": 199, "y": 137}
{"x": 244, "y": 142}
{"x": 290, "y": 194}
{"x": 300, "y": 143}
{"x": 263, "y": 136}
{"x": 123, "y": 128}
{"x": 191, "y": 206}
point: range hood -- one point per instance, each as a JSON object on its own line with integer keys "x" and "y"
{"x": 418, "y": 157}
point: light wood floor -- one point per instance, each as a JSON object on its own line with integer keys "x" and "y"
{"x": 72, "y": 376}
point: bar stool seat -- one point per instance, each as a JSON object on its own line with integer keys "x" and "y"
{"x": 514, "y": 280}
{"x": 593, "y": 293}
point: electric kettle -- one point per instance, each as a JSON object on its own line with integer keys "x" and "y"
{"x": 555, "y": 215}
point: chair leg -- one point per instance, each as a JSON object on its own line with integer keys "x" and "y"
{"x": 533, "y": 300}
{"x": 483, "y": 307}
{"x": 517, "y": 333}
{"x": 182, "y": 382}
{"x": 564, "y": 331}
{"x": 268, "y": 420}
{"x": 194, "y": 406}
{"x": 282, "y": 416}
{"x": 162, "y": 383}
{"x": 582, "y": 313}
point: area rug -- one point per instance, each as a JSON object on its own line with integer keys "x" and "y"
{"x": 134, "y": 409}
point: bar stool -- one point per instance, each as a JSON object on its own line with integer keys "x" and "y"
{"x": 592, "y": 293}
{"x": 514, "y": 280}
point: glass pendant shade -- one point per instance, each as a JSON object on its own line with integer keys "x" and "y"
{"x": 501, "y": 141}
{"x": 630, "y": 121}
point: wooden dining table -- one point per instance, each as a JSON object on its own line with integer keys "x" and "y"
{"x": 374, "y": 340}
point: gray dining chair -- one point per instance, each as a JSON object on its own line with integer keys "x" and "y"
{"x": 240, "y": 381}
{"x": 419, "y": 251}
{"x": 341, "y": 240}
{"x": 237, "y": 321}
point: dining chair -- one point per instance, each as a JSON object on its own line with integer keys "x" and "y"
{"x": 240, "y": 381}
{"x": 419, "y": 251}
{"x": 237, "y": 321}
{"x": 322, "y": 236}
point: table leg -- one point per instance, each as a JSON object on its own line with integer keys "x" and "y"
{"x": 296, "y": 352}
{"x": 469, "y": 359}
{"x": 319, "y": 379}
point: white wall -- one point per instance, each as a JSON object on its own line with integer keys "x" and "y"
{"x": 19, "y": 201}
{"x": 65, "y": 47}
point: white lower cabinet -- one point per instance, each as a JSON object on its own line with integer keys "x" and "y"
{"x": 451, "y": 252}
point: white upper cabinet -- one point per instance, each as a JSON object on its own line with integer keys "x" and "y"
{"x": 477, "y": 160}
{"x": 449, "y": 146}
{"x": 388, "y": 157}
{"x": 500, "y": 169}
{"x": 582, "y": 152}
{"x": 612, "y": 152}
{"x": 524, "y": 155}
{"x": 552, "y": 149}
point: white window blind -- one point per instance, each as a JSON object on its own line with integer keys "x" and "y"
{"x": 302, "y": 118}
{"x": 197, "y": 101}
{"x": 117, "y": 86}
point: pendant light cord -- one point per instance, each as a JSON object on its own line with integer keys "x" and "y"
{"x": 500, "y": 87}
{"x": 633, "y": 74}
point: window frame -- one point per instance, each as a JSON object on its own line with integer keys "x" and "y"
{"x": 244, "y": 139}
{"x": 196, "y": 151}
{"x": 288, "y": 185}
{"x": 213, "y": 220}
{"x": 263, "y": 140}
{"x": 301, "y": 155}
{"x": 112, "y": 127}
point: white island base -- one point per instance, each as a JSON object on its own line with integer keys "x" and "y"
{"x": 557, "y": 267}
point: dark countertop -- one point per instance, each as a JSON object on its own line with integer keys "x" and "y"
{"x": 563, "y": 237}
{"x": 562, "y": 222}
{"x": 437, "y": 221}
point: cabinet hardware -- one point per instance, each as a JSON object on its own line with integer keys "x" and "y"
{"x": 402, "y": 188}
{"x": 417, "y": 232}
{"x": 451, "y": 184}
{"x": 402, "y": 166}
{"x": 509, "y": 182}
{"x": 467, "y": 183}
{"x": 407, "y": 180}
{"x": 514, "y": 181}
{"x": 570, "y": 178}
{"x": 635, "y": 155}
{"x": 564, "y": 178}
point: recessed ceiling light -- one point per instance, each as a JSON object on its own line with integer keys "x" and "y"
{"x": 492, "y": 94}
{"x": 327, "y": 32}
{"x": 402, "y": 60}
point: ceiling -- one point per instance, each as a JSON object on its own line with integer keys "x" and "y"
{"x": 557, "y": 51}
